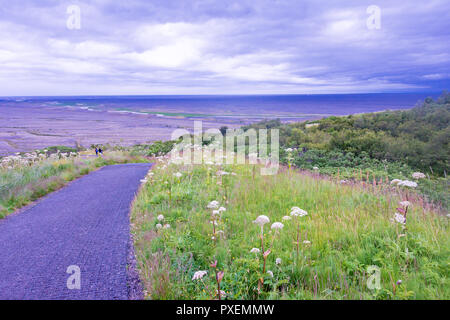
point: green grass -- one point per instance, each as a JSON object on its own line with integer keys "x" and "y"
{"x": 434, "y": 188}
{"x": 349, "y": 227}
{"x": 22, "y": 185}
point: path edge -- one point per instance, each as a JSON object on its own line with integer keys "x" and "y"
{"x": 135, "y": 289}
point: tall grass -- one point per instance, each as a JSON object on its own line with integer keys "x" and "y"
{"x": 350, "y": 230}
{"x": 23, "y": 184}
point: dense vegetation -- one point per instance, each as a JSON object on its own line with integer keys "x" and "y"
{"x": 185, "y": 242}
{"x": 390, "y": 144}
{"x": 154, "y": 149}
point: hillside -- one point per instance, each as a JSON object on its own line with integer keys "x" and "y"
{"x": 226, "y": 232}
{"x": 384, "y": 145}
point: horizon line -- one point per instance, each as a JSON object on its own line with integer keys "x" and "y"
{"x": 225, "y": 94}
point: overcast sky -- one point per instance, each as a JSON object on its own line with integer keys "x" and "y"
{"x": 223, "y": 47}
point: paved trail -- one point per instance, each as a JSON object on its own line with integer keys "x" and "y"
{"x": 84, "y": 224}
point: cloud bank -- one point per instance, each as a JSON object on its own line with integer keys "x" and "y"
{"x": 222, "y": 47}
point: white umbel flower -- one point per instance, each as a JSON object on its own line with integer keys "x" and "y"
{"x": 199, "y": 274}
{"x": 213, "y": 205}
{"x": 278, "y": 260}
{"x": 407, "y": 183}
{"x": 216, "y": 213}
{"x": 262, "y": 220}
{"x": 277, "y": 226}
{"x": 286, "y": 218}
{"x": 255, "y": 250}
{"x": 297, "y": 212}
{"x": 418, "y": 175}
{"x": 160, "y": 217}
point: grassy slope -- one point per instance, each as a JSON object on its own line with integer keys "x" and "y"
{"x": 20, "y": 186}
{"x": 350, "y": 228}
{"x": 390, "y": 144}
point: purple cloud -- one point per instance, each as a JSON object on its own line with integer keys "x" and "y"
{"x": 220, "y": 47}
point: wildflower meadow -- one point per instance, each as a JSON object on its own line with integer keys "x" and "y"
{"x": 226, "y": 232}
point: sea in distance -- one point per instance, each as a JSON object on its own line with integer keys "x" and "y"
{"x": 245, "y": 107}
{"x": 27, "y": 123}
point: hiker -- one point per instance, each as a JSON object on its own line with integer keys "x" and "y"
{"x": 96, "y": 151}
{"x": 100, "y": 151}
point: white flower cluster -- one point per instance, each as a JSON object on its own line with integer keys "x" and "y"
{"x": 160, "y": 218}
{"x": 213, "y": 205}
{"x": 297, "y": 212}
{"x": 261, "y": 220}
{"x": 217, "y": 213}
{"x": 277, "y": 226}
{"x": 199, "y": 274}
{"x": 418, "y": 175}
{"x": 27, "y": 159}
{"x": 404, "y": 183}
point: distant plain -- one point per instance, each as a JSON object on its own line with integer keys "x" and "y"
{"x": 29, "y": 123}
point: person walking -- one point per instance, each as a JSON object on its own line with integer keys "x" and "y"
{"x": 96, "y": 151}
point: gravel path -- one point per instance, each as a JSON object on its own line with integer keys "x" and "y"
{"x": 85, "y": 224}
